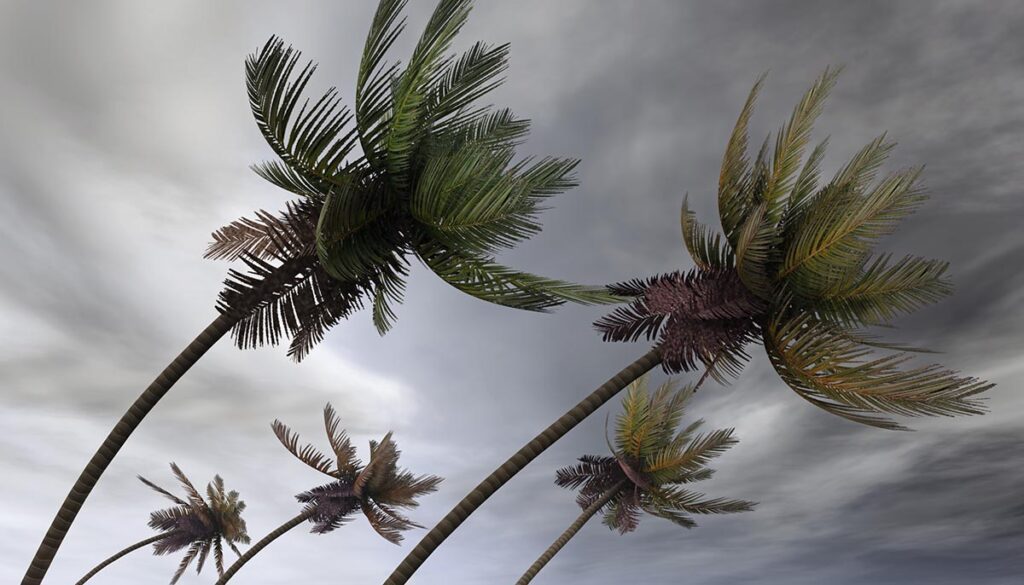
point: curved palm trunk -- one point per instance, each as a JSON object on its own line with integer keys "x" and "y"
{"x": 123, "y": 552}
{"x": 262, "y": 543}
{"x": 567, "y": 535}
{"x": 528, "y": 453}
{"x": 138, "y": 410}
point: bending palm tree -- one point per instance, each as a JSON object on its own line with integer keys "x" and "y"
{"x": 796, "y": 271}
{"x": 651, "y": 457}
{"x": 376, "y": 489}
{"x": 434, "y": 180}
{"x": 195, "y": 523}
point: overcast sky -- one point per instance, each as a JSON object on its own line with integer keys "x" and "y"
{"x": 125, "y": 142}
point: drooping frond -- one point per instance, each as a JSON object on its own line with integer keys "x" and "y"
{"x": 467, "y": 198}
{"x": 330, "y": 505}
{"x": 486, "y": 280}
{"x": 308, "y": 454}
{"x": 708, "y": 251}
{"x": 678, "y": 499}
{"x": 623, "y": 511}
{"x": 193, "y": 550}
{"x": 838, "y": 375}
{"x": 290, "y": 234}
{"x": 313, "y": 142}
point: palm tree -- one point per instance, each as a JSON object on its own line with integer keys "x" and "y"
{"x": 651, "y": 458}
{"x": 796, "y": 271}
{"x": 195, "y": 523}
{"x": 377, "y": 489}
{"x": 434, "y": 180}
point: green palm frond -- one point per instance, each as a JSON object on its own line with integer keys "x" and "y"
{"x": 484, "y": 279}
{"x": 413, "y": 87}
{"x": 373, "y": 83}
{"x": 708, "y": 251}
{"x": 884, "y": 290}
{"x": 462, "y": 82}
{"x": 733, "y": 199}
{"x": 838, "y": 375}
{"x": 790, "y": 143}
{"x": 313, "y": 142}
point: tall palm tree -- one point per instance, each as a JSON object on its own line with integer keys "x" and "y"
{"x": 651, "y": 459}
{"x": 377, "y": 489}
{"x": 195, "y": 523}
{"x": 796, "y": 271}
{"x": 434, "y": 179}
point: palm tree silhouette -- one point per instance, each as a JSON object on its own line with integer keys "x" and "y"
{"x": 796, "y": 271}
{"x": 377, "y": 489}
{"x": 434, "y": 180}
{"x": 194, "y": 523}
{"x": 651, "y": 458}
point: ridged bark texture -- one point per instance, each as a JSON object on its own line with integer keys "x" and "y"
{"x": 138, "y": 410}
{"x": 123, "y": 552}
{"x": 528, "y": 453}
{"x": 262, "y": 543}
{"x": 567, "y": 535}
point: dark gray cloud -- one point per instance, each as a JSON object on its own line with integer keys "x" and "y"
{"x": 125, "y": 142}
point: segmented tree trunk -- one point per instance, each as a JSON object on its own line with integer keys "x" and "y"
{"x": 567, "y": 535}
{"x": 123, "y": 552}
{"x": 138, "y": 410}
{"x": 262, "y": 543}
{"x": 528, "y": 453}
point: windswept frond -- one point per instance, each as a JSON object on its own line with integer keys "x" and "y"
{"x": 308, "y": 454}
{"x": 373, "y": 100}
{"x": 838, "y": 375}
{"x": 733, "y": 198}
{"x": 708, "y": 251}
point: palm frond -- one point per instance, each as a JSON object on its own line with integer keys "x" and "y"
{"x": 484, "y": 279}
{"x": 835, "y": 373}
{"x": 186, "y": 561}
{"x": 464, "y": 81}
{"x": 290, "y": 234}
{"x": 308, "y": 454}
{"x": 589, "y": 468}
{"x": 161, "y": 490}
{"x": 708, "y": 252}
{"x": 342, "y": 446}
{"x": 413, "y": 86}
{"x": 313, "y": 143}
{"x": 373, "y": 100}
{"x": 733, "y": 199}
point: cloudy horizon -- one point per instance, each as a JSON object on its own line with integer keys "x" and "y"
{"x": 126, "y": 141}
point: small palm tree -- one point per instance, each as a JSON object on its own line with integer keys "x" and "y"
{"x": 651, "y": 458}
{"x": 377, "y": 489}
{"x": 796, "y": 271}
{"x": 434, "y": 180}
{"x": 194, "y": 523}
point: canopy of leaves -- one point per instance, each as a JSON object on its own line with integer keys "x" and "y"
{"x": 377, "y": 489}
{"x": 796, "y": 268}
{"x": 652, "y": 457}
{"x": 198, "y": 524}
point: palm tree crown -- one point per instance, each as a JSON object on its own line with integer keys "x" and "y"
{"x": 198, "y": 524}
{"x": 435, "y": 179}
{"x": 377, "y": 489}
{"x": 796, "y": 270}
{"x": 651, "y": 458}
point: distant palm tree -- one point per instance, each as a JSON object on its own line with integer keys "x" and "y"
{"x": 377, "y": 489}
{"x": 435, "y": 179}
{"x": 195, "y": 523}
{"x": 652, "y": 456}
{"x": 795, "y": 271}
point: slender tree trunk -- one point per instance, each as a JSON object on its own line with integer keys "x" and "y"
{"x": 262, "y": 543}
{"x": 567, "y": 535}
{"x": 139, "y": 409}
{"x": 495, "y": 480}
{"x": 123, "y": 552}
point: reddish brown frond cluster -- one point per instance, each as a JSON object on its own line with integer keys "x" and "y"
{"x": 705, "y": 316}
